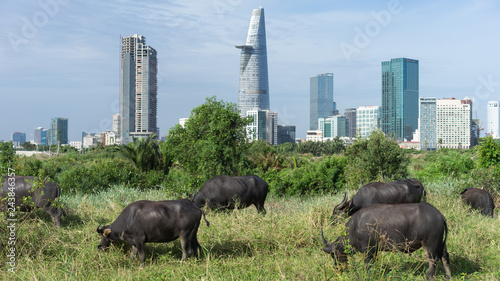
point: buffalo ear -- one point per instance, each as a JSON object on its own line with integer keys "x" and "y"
{"x": 106, "y": 232}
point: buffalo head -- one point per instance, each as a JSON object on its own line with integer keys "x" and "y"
{"x": 105, "y": 239}
{"x": 342, "y": 207}
{"x": 336, "y": 250}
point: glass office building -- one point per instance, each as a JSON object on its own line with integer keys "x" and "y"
{"x": 254, "y": 85}
{"x": 399, "y": 113}
{"x": 493, "y": 119}
{"x": 321, "y": 99}
{"x": 427, "y": 124}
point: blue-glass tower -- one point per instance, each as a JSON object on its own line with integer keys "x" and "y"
{"x": 254, "y": 85}
{"x": 321, "y": 98}
{"x": 399, "y": 114}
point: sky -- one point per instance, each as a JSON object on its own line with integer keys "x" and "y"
{"x": 60, "y": 58}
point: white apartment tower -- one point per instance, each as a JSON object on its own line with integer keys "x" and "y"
{"x": 493, "y": 119}
{"x": 453, "y": 123}
{"x": 367, "y": 120}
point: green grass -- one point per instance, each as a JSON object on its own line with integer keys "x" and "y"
{"x": 240, "y": 245}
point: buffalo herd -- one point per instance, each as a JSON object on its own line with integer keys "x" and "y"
{"x": 382, "y": 216}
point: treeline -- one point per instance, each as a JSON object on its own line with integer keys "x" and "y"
{"x": 213, "y": 142}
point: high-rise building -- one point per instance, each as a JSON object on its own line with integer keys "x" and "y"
{"x": 333, "y": 126}
{"x": 41, "y": 136}
{"x": 321, "y": 98}
{"x": 138, "y": 88}
{"x": 254, "y": 85}
{"x": 350, "y": 115}
{"x": 493, "y": 119}
{"x": 59, "y": 131}
{"x": 367, "y": 120}
{"x": 264, "y": 126}
{"x": 427, "y": 124}
{"x": 286, "y": 133}
{"x": 18, "y": 138}
{"x": 399, "y": 112}
{"x": 117, "y": 118}
{"x": 453, "y": 123}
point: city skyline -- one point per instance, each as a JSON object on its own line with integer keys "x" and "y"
{"x": 58, "y": 61}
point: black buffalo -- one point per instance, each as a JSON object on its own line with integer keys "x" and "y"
{"x": 480, "y": 200}
{"x": 43, "y": 198}
{"x": 226, "y": 192}
{"x": 398, "y": 192}
{"x": 404, "y": 227}
{"x": 155, "y": 221}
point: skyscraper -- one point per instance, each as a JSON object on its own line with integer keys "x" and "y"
{"x": 367, "y": 120}
{"x": 321, "y": 99}
{"x": 350, "y": 115}
{"x": 138, "y": 88}
{"x": 453, "y": 123}
{"x": 493, "y": 119}
{"x": 427, "y": 124}
{"x": 59, "y": 131}
{"x": 254, "y": 85}
{"x": 399, "y": 113}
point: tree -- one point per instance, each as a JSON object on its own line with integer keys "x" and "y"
{"x": 489, "y": 152}
{"x": 375, "y": 158}
{"x": 144, "y": 152}
{"x": 213, "y": 141}
{"x": 7, "y": 154}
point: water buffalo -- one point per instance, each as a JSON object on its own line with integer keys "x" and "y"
{"x": 404, "y": 227}
{"x": 398, "y": 192}
{"x": 155, "y": 221}
{"x": 22, "y": 186}
{"x": 479, "y": 199}
{"x": 223, "y": 192}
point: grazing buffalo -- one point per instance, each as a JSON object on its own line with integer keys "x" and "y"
{"x": 398, "y": 192}
{"x": 226, "y": 192}
{"x": 43, "y": 198}
{"x": 404, "y": 227}
{"x": 155, "y": 221}
{"x": 480, "y": 200}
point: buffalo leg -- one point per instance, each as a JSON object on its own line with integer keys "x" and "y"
{"x": 433, "y": 259}
{"x": 142, "y": 254}
{"x": 260, "y": 208}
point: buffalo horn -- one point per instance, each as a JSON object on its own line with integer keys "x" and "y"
{"x": 98, "y": 228}
{"x": 343, "y": 204}
{"x": 325, "y": 243}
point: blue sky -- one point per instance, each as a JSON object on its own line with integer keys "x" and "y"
{"x": 60, "y": 58}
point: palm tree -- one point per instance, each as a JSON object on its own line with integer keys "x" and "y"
{"x": 144, "y": 152}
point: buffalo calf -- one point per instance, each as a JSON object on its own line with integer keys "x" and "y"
{"x": 155, "y": 221}
{"x": 404, "y": 227}
{"x": 43, "y": 198}
{"x": 479, "y": 199}
{"x": 226, "y": 192}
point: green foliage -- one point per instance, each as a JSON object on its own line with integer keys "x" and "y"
{"x": 446, "y": 163}
{"x": 7, "y": 154}
{"x": 144, "y": 153}
{"x": 212, "y": 143}
{"x": 489, "y": 152}
{"x": 375, "y": 158}
{"x": 323, "y": 176}
{"x": 329, "y": 147}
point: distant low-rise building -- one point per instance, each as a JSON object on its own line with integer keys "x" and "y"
{"x": 314, "y": 135}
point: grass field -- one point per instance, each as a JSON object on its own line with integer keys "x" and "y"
{"x": 285, "y": 244}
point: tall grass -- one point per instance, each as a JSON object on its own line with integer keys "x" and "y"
{"x": 240, "y": 245}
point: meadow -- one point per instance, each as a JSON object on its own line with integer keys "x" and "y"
{"x": 284, "y": 244}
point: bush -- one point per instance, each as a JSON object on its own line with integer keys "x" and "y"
{"x": 322, "y": 176}
{"x": 375, "y": 158}
{"x": 446, "y": 163}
